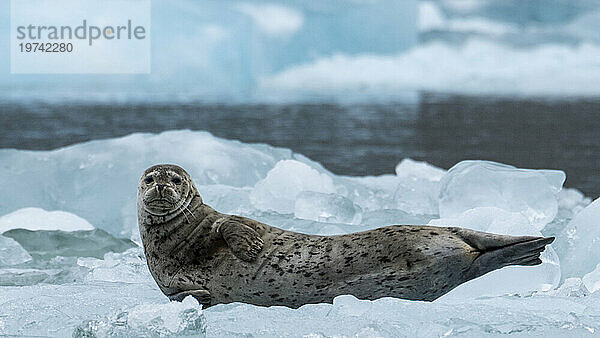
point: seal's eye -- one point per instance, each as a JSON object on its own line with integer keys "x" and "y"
{"x": 148, "y": 179}
{"x": 176, "y": 180}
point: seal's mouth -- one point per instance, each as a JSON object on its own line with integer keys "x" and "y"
{"x": 161, "y": 206}
{"x": 161, "y": 202}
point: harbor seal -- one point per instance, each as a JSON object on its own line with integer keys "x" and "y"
{"x": 191, "y": 249}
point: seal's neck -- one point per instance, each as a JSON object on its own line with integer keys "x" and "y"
{"x": 165, "y": 234}
{"x": 171, "y": 241}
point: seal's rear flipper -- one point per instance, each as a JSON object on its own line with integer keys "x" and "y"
{"x": 202, "y": 296}
{"x": 497, "y": 251}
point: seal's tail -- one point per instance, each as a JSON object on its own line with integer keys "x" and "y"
{"x": 497, "y": 251}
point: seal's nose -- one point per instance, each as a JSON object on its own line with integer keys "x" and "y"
{"x": 160, "y": 187}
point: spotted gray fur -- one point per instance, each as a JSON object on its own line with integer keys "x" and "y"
{"x": 192, "y": 249}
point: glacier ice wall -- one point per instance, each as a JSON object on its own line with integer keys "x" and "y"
{"x": 348, "y": 50}
{"x": 545, "y": 69}
{"x": 470, "y": 47}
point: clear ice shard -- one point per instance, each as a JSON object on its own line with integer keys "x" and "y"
{"x": 127, "y": 267}
{"x": 149, "y": 320}
{"x": 328, "y": 208}
{"x": 419, "y": 185}
{"x": 582, "y": 241}
{"x": 471, "y": 184}
{"x": 419, "y": 169}
{"x": 282, "y": 184}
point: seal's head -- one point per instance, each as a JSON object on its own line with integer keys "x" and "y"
{"x": 165, "y": 189}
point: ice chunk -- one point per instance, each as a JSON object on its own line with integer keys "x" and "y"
{"x": 592, "y": 280}
{"x": 513, "y": 279}
{"x": 349, "y": 305}
{"x": 124, "y": 309}
{"x": 287, "y": 222}
{"x": 55, "y": 310}
{"x": 471, "y": 184}
{"x": 419, "y": 169}
{"x": 78, "y": 178}
{"x": 488, "y": 219}
{"x": 571, "y": 202}
{"x": 411, "y": 191}
{"x": 278, "y": 191}
{"x": 227, "y": 199}
{"x": 127, "y": 267}
{"x": 418, "y": 188}
{"x": 171, "y": 319}
{"x": 387, "y": 317}
{"x": 379, "y": 218}
{"x": 330, "y": 208}
{"x": 40, "y": 219}
{"x": 50, "y": 270}
{"x": 23, "y": 277}
{"x": 11, "y": 253}
{"x": 571, "y": 287}
{"x": 370, "y": 192}
{"x": 84, "y": 243}
{"x": 578, "y": 242}
{"x": 417, "y": 196}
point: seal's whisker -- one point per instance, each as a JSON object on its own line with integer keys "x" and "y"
{"x": 188, "y": 210}
{"x": 186, "y": 218}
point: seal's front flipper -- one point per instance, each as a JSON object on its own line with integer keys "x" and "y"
{"x": 202, "y": 296}
{"x": 244, "y": 241}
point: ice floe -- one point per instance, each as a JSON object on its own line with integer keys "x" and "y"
{"x": 68, "y": 261}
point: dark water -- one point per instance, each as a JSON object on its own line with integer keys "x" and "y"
{"x": 365, "y": 139}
